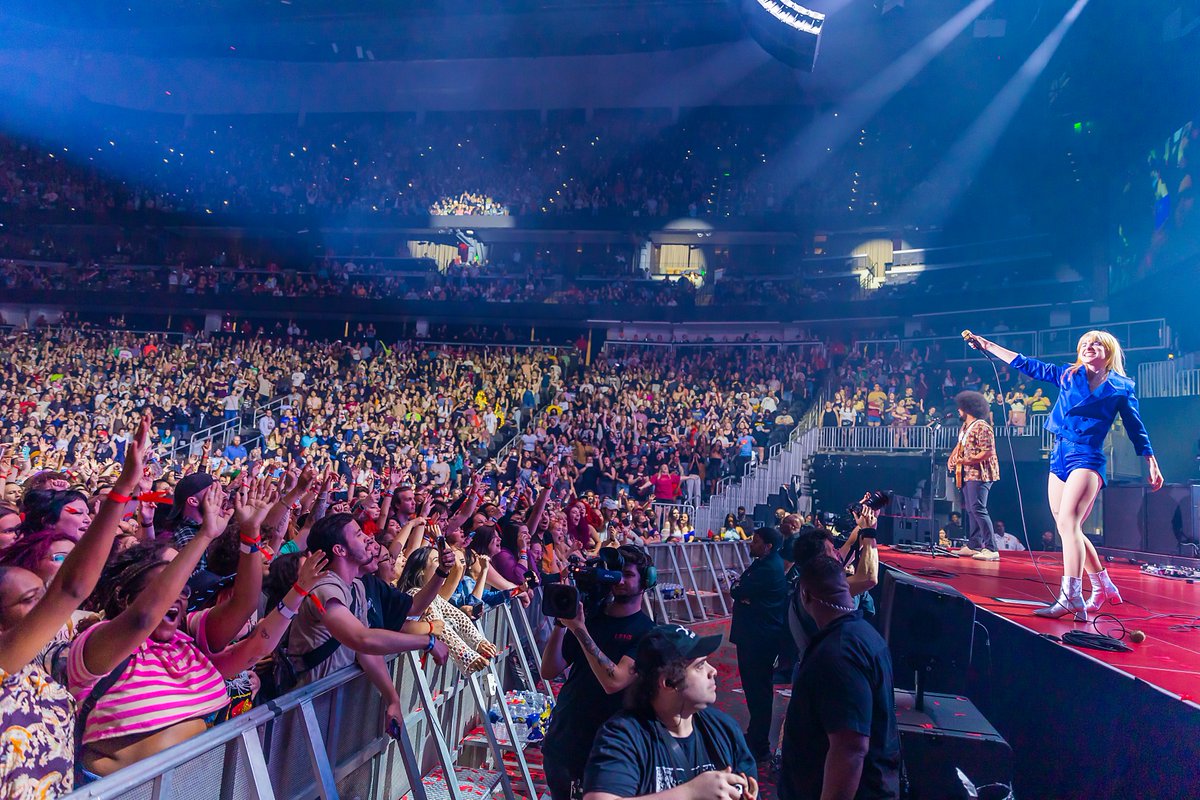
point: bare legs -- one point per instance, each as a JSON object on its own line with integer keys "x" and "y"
{"x": 1071, "y": 502}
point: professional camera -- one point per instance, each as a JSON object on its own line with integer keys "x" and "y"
{"x": 844, "y": 523}
{"x": 876, "y": 501}
{"x": 589, "y": 582}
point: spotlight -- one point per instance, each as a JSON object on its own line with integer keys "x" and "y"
{"x": 789, "y": 32}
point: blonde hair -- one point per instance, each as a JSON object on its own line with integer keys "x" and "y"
{"x": 1115, "y": 362}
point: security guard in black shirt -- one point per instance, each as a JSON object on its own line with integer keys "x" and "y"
{"x": 759, "y": 629}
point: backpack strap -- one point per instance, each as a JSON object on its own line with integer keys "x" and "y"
{"x": 317, "y": 656}
{"x": 89, "y": 704}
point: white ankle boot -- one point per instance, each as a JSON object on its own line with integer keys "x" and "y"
{"x": 1103, "y": 591}
{"x": 1070, "y": 601}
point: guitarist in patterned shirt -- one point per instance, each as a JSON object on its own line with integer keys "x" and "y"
{"x": 975, "y": 468}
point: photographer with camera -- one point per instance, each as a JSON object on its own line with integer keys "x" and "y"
{"x": 600, "y": 652}
{"x": 758, "y": 628}
{"x": 858, "y": 555}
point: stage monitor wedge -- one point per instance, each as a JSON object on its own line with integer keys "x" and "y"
{"x": 930, "y": 630}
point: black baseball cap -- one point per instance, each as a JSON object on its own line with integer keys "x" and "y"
{"x": 667, "y": 643}
{"x": 189, "y": 486}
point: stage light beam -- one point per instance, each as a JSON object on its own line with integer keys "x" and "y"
{"x": 833, "y": 129}
{"x": 950, "y": 178}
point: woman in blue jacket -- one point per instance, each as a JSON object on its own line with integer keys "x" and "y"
{"x": 1091, "y": 393}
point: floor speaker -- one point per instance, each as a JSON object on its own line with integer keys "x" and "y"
{"x": 950, "y": 735}
{"x": 930, "y": 631}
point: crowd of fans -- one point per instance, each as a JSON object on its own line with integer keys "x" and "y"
{"x": 124, "y": 555}
{"x": 883, "y": 385}
{"x": 631, "y": 164}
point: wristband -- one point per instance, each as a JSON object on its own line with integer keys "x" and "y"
{"x": 249, "y": 548}
{"x": 430, "y": 624}
{"x": 441, "y": 573}
{"x": 248, "y": 540}
{"x": 285, "y": 611}
{"x": 432, "y": 643}
{"x": 296, "y": 588}
{"x": 119, "y": 498}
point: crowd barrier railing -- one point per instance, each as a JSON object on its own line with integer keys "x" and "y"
{"x": 913, "y": 438}
{"x": 1051, "y": 343}
{"x": 1177, "y": 377}
{"x": 327, "y": 739}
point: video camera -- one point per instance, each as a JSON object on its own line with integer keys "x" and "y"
{"x": 588, "y": 582}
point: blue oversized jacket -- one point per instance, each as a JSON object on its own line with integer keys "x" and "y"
{"x": 1085, "y": 417}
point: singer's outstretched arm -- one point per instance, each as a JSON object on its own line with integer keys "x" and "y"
{"x": 988, "y": 346}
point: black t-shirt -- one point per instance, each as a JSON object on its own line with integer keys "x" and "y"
{"x": 844, "y": 683}
{"x": 631, "y": 756}
{"x": 583, "y": 705}
{"x": 387, "y": 606}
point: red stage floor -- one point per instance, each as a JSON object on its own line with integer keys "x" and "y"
{"x": 1168, "y": 659}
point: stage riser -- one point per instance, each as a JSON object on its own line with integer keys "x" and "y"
{"x": 1079, "y": 729}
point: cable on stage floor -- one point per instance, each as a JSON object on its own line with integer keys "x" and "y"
{"x": 1095, "y": 641}
{"x": 1120, "y": 626}
{"x": 933, "y": 572}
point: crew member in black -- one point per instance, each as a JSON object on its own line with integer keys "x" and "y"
{"x": 600, "y": 652}
{"x": 839, "y": 736}
{"x": 759, "y": 629}
{"x": 669, "y": 742}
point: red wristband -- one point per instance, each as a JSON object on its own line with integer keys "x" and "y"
{"x": 247, "y": 540}
{"x": 296, "y": 588}
{"x": 119, "y": 498}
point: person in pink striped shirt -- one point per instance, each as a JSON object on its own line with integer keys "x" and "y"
{"x": 167, "y": 685}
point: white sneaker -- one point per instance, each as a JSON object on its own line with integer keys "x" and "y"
{"x": 986, "y": 555}
{"x": 965, "y": 551}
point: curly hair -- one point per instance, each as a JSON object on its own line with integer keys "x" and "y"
{"x": 125, "y": 576}
{"x": 282, "y": 574}
{"x": 809, "y": 543}
{"x": 973, "y": 403}
{"x": 224, "y": 551}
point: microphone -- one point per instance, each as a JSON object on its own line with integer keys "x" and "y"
{"x": 967, "y": 337}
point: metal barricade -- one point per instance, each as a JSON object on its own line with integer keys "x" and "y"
{"x": 694, "y": 578}
{"x": 325, "y": 740}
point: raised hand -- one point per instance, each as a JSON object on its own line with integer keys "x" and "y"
{"x": 133, "y": 469}
{"x": 212, "y": 508}
{"x": 312, "y": 569}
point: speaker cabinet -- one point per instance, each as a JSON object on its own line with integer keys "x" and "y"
{"x": 929, "y": 628}
{"x": 1124, "y": 517}
{"x": 949, "y": 735}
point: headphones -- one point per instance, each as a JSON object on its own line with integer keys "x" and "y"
{"x": 646, "y": 569}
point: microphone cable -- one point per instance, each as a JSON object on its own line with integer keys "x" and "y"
{"x": 1012, "y": 458}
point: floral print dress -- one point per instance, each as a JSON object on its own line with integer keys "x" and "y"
{"x": 37, "y": 736}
